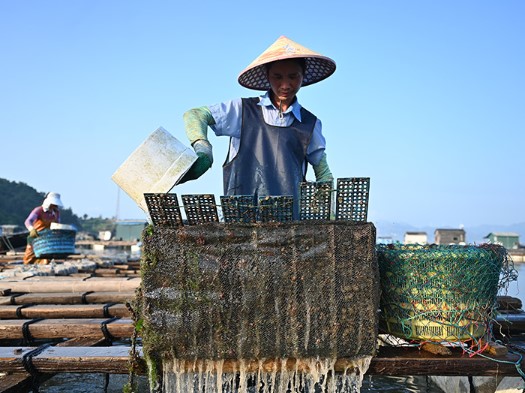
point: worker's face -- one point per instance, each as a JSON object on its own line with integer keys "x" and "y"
{"x": 286, "y": 78}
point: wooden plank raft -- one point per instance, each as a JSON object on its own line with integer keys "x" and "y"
{"x": 22, "y": 382}
{"x": 389, "y": 361}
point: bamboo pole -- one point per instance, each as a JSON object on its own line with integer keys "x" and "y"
{"x": 64, "y": 311}
{"x": 68, "y": 298}
{"x": 395, "y": 361}
{"x": 78, "y": 285}
{"x": 66, "y": 328}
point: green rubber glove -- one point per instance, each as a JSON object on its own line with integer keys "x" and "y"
{"x": 322, "y": 170}
{"x": 33, "y": 233}
{"x": 198, "y": 168}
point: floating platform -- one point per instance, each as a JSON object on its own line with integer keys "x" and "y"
{"x": 81, "y": 324}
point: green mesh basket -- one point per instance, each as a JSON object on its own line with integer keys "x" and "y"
{"x": 439, "y": 293}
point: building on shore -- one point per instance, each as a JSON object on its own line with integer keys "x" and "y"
{"x": 415, "y": 238}
{"x": 449, "y": 236}
{"x": 129, "y": 230}
{"x": 509, "y": 240}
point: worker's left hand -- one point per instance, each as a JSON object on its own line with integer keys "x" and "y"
{"x": 198, "y": 168}
{"x": 33, "y": 233}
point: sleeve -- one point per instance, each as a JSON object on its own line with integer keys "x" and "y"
{"x": 33, "y": 216}
{"x": 317, "y": 145}
{"x": 228, "y": 118}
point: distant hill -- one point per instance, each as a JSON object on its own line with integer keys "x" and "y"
{"x": 474, "y": 234}
{"x": 17, "y": 199}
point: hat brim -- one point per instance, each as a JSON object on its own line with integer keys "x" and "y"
{"x": 317, "y": 68}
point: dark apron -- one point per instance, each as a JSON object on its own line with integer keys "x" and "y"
{"x": 271, "y": 159}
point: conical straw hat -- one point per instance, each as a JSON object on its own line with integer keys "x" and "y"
{"x": 318, "y": 67}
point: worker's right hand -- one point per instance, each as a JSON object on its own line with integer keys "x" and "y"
{"x": 198, "y": 168}
{"x": 33, "y": 233}
{"x": 204, "y": 152}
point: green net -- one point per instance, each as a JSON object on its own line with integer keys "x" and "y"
{"x": 440, "y": 293}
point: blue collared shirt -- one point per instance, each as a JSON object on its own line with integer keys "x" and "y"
{"x": 228, "y": 122}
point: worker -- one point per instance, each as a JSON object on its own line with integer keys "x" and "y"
{"x": 39, "y": 219}
{"x": 272, "y": 137}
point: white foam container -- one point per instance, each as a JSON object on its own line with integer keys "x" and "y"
{"x": 156, "y": 166}
{"x": 56, "y": 225}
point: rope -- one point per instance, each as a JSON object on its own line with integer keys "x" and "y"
{"x": 106, "y": 382}
{"x": 19, "y": 310}
{"x": 517, "y": 363}
{"x": 28, "y": 338}
{"x": 106, "y": 309}
{"x": 84, "y": 297}
{"x": 12, "y": 299}
{"x": 27, "y": 362}
{"x": 104, "y": 327}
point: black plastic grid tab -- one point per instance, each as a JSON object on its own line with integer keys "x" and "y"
{"x": 276, "y": 208}
{"x": 200, "y": 208}
{"x": 239, "y": 208}
{"x": 315, "y": 200}
{"x": 352, "y": 199}
{"x": 164, "y": 209}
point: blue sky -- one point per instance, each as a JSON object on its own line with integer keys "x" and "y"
{"x": 428, "y": 99}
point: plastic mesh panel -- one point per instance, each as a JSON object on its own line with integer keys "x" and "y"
{"x": 255, "y": 291}
{"x": 239, "y": 208}
{"x": 352, "y": 199}
{"x": 315, "y": 201}
{"x": 163, "y": 209}
{"x": 200, "y": 208}
{"x": 276, "y": 208}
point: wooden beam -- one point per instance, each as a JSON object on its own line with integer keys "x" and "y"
{"x": 65, "y": 328}
{"x": 68, "y": 298}
{"x": 67, "y": 286}
{"x": 111, "y": 360}
{"x": 15, "y": 383}
{"x": 389, "y": 361}
{"x": 22, "y": 382}
{"x": 64, "y": 311}
{"x": 411, "y": 361}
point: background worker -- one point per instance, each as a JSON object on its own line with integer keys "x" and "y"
{"x": 272, "y": 137}
{"x": 39, "y": 219}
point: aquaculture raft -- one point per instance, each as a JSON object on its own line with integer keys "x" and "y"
{"x": 91, "y": 300}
